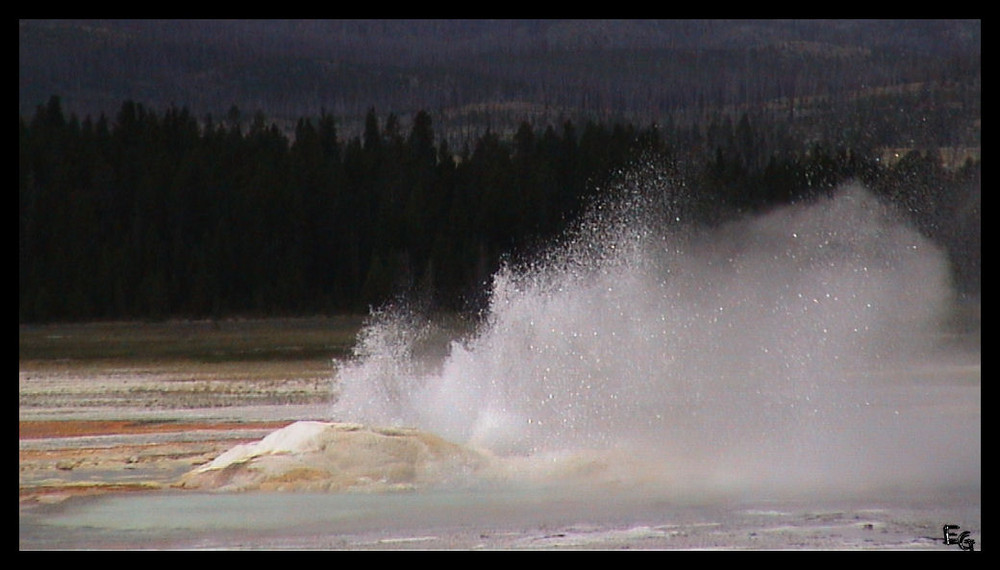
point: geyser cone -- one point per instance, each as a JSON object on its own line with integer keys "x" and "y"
{"x": 742, "y": 355}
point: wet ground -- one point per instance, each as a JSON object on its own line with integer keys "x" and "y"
{"x": 512, "y": 520}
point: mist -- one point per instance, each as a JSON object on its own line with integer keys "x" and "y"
{"x": 778, "y": 353}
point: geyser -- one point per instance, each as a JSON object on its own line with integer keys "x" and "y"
{"x": 767, "y": 353}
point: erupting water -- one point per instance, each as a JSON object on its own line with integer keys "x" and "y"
{"x": 760, "y": 354}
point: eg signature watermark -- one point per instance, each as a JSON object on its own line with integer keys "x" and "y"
{"x": 961, "y": 539}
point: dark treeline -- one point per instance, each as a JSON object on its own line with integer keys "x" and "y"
{"x": 157, "y": 214}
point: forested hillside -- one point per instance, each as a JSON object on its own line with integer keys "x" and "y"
{"x": 227, "y": 168}
{"x": 474, "y": 74}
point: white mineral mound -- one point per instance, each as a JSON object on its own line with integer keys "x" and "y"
{"x": 328, "y": 456}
